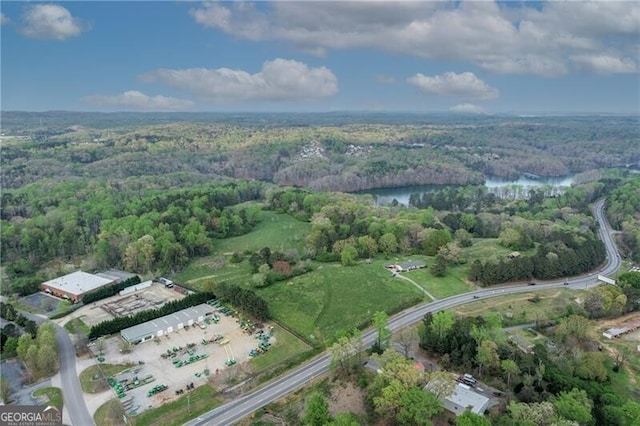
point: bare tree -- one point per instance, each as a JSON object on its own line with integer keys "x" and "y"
{"x": 406, "y": 340}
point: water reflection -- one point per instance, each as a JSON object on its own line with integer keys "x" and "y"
{"x": 503, "y": 188}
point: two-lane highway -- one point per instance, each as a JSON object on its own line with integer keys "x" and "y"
{"x": 235, "y": 410}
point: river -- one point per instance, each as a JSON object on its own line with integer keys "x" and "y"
{"x": 503, "y": 188}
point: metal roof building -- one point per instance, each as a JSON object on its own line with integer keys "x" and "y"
{"x": 464, "y": 397}
{"x": 75, "y": 285}
{"x": 166, "y": 324}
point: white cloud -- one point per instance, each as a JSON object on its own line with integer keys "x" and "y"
{"x": 605, "y": 64}
{"x": 50, "y": 21}
{"x": 385, "y": 79}
{"x": 3, "y": 19}
{"x": 463, "y": 85}
{"x": 279, "y": 80}
{"x": 135, "y": 100}
{"x": 467, "y": 108}
{"x": 532, "y": 38}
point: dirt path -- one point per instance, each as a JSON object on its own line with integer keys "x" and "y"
{"x": 417, "y": 285}
{"x": 195, "y": 280}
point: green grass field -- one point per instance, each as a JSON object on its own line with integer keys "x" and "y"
{"x": 278, "y": 231}
{"x": 440, "y": 287}
{"x": 333, "y": 298}
{"x": 518, "y": 309}
{"x": 203, "y": 269}
{"x": 286, "y": 347}
{"x": 487, "y": 249}
{"x": 177, "y": 412}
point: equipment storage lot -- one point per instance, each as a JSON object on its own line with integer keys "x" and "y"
{"x": 163, "y": 370}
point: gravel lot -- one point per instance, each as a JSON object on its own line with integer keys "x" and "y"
{"x": 148, "y": 361}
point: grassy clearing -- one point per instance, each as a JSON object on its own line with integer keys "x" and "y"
{"x": 202, "y": 270}
{"x": 110, "y": 414}
{"x": 77, "y": 326}
{"x": 178, "y": 412}
{"x": 53, "y": 394}
{"x": 440, "y": 287}
{"x": 278, "y": 231}
{"x": 286, "y": 347}
{"x": 489, "y": 249}
{"x": 93, "y": 382}
{"x": 518, "y": 309}
{"x": 334, "y": 297}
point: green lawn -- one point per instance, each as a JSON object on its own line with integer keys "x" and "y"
{"x": 110, "y": 414}
{"x": 333, "y": 298}
{"x": 278, "y": 231}
{"x": 92, "y": 381}
{"x": 440, "y": 287}
{"x": 286, "y": 346}
{"x": 518, "y": 309}
{"x": 202, "y": 269}
{"x": 178, "y": 412}
{"x": 53, "y": 394}
{"x": 488, "y": 248}
{"x": 77, "y": 326}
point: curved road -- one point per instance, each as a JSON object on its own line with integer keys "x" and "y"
{"x": 235, "y": 410}
{"x": 71, "y": 390}
{"x": 72, "y": 394}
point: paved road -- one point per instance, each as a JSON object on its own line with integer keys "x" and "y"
{"x": 235, "y": 410}
{"x": 71, "y": 390}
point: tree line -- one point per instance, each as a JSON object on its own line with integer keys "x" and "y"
{"x": 132, "y": 226}
{"x": 110, "y": 290}
{"x": 244, "y": 299}
{"x": 622, "y": 207}
{"x": 115, "y": 325}
{"x": 14, "y": 329}
{"x": 578, "y": 254}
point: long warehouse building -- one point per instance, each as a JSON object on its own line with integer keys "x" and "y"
{"x": 166, "y": 324}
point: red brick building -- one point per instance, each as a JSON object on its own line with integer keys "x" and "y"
{"x": 75, "y": 285}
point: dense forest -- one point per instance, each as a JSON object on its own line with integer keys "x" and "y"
{"x": 297, "y": 150}
{"x": 148, "y": 196}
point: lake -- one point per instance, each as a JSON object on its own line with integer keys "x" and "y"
{"x": 503, "y": 188}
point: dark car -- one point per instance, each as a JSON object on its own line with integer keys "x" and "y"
{"x": 532, "y": 283}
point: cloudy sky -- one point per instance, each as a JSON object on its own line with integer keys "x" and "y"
{"x": 469, "y": 57}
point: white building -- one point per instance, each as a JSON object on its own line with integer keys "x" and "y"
{"x": 166, "y": 324}
{"x": 75, "y": 285}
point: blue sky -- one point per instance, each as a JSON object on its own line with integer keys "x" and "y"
{"x": 505, "y": 57}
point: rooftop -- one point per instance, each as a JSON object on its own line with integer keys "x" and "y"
{"x": 163, "y": 323}
{"x": 78, "y": 283}
{"x": 464, "y": 397}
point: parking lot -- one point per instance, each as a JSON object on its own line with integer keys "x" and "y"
{"x": 156, "y": 360}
